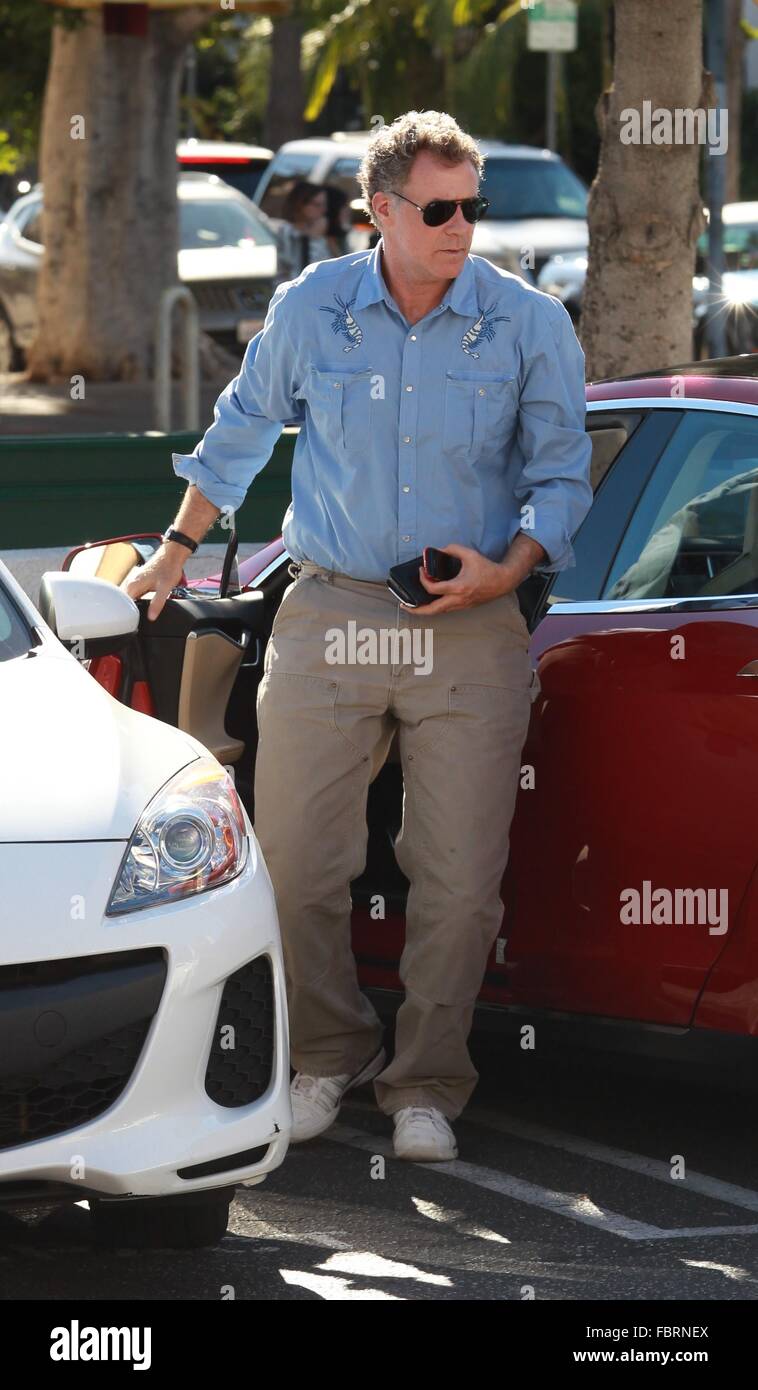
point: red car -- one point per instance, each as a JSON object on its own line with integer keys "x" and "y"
{"x": 631, "y": 895}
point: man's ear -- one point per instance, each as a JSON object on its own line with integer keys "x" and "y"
{"x": 380, "y": 205}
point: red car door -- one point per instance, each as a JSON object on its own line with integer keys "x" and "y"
{"x": 634, "y": 839}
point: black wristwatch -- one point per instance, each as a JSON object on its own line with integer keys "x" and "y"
{"x": 173, "y": 535}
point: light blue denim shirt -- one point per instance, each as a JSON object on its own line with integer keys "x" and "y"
{"x": 465, "y": 427}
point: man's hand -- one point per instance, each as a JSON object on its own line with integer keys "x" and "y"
{"x": 479, "y": 580}
{"x": 161, "y": 574}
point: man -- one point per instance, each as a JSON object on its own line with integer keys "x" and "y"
{"x": 442, "y": 404}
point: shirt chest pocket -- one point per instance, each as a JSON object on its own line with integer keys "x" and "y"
{"x": 341, "y": 403}
{"x": 480, "y": 412}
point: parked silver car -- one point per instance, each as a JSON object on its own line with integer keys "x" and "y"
{"x": 227, "y": 257}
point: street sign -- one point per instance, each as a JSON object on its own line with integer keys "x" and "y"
{"x": 552, "y": 25}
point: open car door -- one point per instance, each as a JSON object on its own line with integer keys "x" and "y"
{"x": 198, "y": 664}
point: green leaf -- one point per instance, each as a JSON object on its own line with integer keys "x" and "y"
{"x": 10, "y": 157}
{"x": 323, "y": 80}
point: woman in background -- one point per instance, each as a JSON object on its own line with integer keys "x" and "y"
{"x": 313, "y": 227}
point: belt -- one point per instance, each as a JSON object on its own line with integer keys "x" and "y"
{"x": 298, "y": 567}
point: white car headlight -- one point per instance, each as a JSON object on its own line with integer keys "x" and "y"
{"x": 190, "y": 837}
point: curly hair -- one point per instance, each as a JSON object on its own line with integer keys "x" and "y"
{"x": 390, "y": 154}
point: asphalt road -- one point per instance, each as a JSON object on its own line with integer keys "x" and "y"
{"x": 563, "y": 1190}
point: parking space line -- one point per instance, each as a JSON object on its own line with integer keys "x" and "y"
{"x": 575, "y": 1208}
{"x": 655, "y": 1168}
{"x": 580, "y": 1209}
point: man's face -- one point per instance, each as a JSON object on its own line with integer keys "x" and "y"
{"x": 429, "y": 253}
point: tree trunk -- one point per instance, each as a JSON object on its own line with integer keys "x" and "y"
{"x": 284, "y": 109}
{"x": 735, "y": 59}
{"x": 110, "y": 213}
{"x": 645, "y": 211}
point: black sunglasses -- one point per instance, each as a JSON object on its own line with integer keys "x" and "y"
{"x": 442, "y": 209}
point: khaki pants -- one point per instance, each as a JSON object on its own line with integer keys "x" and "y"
{"x": 326, "y": 720}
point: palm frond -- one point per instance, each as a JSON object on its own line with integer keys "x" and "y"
{"x": 323, "y": 78}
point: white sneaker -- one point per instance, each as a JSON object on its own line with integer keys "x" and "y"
{"x": 423, "y": 1135}
{"x": 316, "y": 1100}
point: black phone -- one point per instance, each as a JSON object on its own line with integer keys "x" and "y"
{"x": 404, "y": 582}
{"x": 439, "y": 565}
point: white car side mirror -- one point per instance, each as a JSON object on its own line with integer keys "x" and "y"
{"x": 85, "y": 608}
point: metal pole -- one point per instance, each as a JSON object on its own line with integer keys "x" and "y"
{"x": 191, "y": 68}
{"x": 715, "y": 181}
{"x": 177, "y": 294}
{"x": 550, "y": 98}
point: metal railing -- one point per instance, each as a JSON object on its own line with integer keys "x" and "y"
{"x": 190, "y": 376}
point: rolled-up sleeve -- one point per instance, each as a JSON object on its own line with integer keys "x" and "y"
{"x": 555, "y": 478}
{"x": 249, "y": 415}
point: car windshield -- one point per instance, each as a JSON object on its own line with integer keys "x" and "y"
{"x": 740, "y": 246}
{"x": 520, "y": 188}
{"x": 284, "y": 171}
{"x": 16, "y": 639}
{"x": 216, "y": 222}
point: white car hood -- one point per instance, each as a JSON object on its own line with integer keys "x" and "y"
{"x": 227, "y": 263}
{"x": 74, "y": 763}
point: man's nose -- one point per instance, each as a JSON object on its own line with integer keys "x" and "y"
{"x": 458, "y": 222}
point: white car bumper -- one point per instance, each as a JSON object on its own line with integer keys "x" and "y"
{"x": 199, "y": 1033}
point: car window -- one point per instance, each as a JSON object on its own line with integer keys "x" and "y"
{"x": 519, "y": 188}
{"x": 29, "y": 222}
{"x": 343, "y": 175}
{"x": 740, "y": 246}
{"x": 695, "y": 528}
{"x": 218, "y": 222}
{"x": 284, "y": 171}
{"x": 16, "y": 638}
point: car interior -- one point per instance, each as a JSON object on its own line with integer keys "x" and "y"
{"x": 695, "y": 531}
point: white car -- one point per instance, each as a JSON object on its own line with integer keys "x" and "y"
{"x": 227, "y": 257}
{"x": 144, "y": 1058}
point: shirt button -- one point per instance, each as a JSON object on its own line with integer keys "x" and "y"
{"x": 337, "y": 384}
{"x": 413, "y": 337}
{"x": 406, "y": 489}
{"x": 481, "y": 391}
{"x": 406, "y": 538}
{"x": 406, "y": 439}
{"x": 409, "y": 388}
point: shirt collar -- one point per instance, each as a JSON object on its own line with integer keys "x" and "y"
{"x": 461, "y": 296}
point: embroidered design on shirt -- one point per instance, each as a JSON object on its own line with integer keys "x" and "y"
{"x": 482, "y": 329}
{"x": 344, "y": 323}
